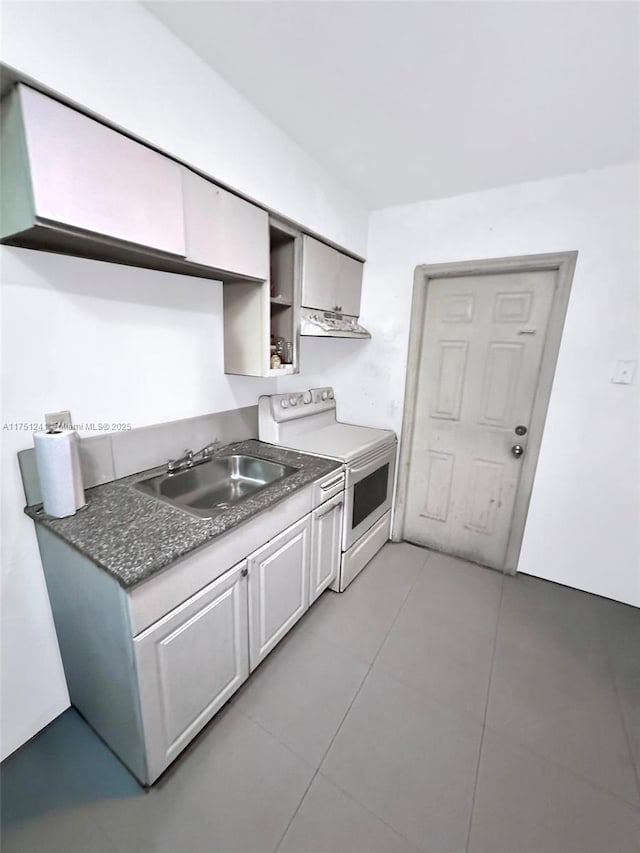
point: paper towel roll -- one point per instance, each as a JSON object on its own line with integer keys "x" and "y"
{"x": 58, "y": 462}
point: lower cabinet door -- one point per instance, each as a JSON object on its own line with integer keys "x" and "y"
{"x": 278, "y": 588}
{"x": 326, "y": 540}
{"x": 189, "y": 663}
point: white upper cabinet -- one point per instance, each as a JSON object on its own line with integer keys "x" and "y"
{"x": 331, "y": 280}
{"x": 349, "y": 284}
{"x": 224, "y": 231}
{"x": 84, "y": 176}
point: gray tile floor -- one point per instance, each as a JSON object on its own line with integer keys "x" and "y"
{"x": 435, "y": 706}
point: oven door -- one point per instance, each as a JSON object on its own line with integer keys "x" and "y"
{"x": 368, "y": 494}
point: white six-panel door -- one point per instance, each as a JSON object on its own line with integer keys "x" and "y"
{"x": 482, "y": 344}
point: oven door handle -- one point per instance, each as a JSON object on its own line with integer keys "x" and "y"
{"x": 354, "y": 475}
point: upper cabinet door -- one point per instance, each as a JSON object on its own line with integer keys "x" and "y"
{"x": 87, "y": 176}
{"x": 224, "y": 231}
{"x": 331, "y": 280}
{"x": 319, "y": 275}
{"x": 349, "y": 284}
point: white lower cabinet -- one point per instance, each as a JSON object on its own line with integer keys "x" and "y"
{"x": 189, "y": 663}
{"x": 278, "y": 588}
{"x": 326, "y": 539}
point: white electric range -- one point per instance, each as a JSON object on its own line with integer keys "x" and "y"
{"x": 306, "y": 421}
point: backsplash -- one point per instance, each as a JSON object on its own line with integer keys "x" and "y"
{"x": 117, "y": 454}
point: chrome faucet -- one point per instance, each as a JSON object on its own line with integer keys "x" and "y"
{"x": 190, "y": 458}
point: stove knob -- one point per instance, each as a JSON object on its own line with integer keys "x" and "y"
{"x": 306, "y": 397}
{"x": 325, "y": 395}
{"x": 293, "y": 400}
{"x": 284, "y": 404}
{"x": 330, "y": 394}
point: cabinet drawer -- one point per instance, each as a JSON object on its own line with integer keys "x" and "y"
{"x": 328, "y": 487}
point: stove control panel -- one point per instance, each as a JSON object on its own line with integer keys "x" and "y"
{"x": 322, "y": 395}
{"x": 280, "y": 408}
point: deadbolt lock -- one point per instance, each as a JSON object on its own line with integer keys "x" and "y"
{"x": 521, "y": 430}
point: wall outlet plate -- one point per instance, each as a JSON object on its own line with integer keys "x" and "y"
{"x": 58, "y": 420}
{"x": 624, "y": 372}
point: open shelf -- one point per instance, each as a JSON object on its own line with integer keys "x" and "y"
{"x": 284, "y": 246}
{"x": 285, "y": 370}
{"x": 257, "y": 313}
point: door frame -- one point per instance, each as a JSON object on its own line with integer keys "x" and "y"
{"x": 562, "y": 262}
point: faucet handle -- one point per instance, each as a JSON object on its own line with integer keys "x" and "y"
{"x": 175, "y": 464}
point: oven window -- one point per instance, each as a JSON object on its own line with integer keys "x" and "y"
{"x": 369, "y": 494}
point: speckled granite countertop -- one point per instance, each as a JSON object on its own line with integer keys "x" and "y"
{"x": 132, "y": 536}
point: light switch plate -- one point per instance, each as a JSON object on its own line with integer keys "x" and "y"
{"x": 60, "y": 420}
{"x": 624, "y": 372}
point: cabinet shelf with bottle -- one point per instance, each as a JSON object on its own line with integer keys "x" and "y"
{"x": 262, "y": 319}
{"x": 284, "y": 278}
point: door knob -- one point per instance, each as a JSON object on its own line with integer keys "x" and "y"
{"x": 517, "y": 450}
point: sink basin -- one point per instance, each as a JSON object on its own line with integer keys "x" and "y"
{"x": 213, "y": 486}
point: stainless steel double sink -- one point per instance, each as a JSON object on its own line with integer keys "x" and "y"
{"x": 211, "y": 487}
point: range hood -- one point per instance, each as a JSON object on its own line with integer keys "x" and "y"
{"x": 330, "y": 324}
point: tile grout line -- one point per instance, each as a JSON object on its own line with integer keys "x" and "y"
{"x": 344, "y": 717}
{"x": 369, "y": 811}
{"x": 563, "y": 768}
{"x": 484, "y": 720}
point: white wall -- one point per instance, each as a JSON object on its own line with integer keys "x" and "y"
{"x": 582, "y": 528}
{"x": 112, "y": 342}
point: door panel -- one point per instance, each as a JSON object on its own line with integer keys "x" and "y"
{"x": 278, "y": 588}
{"x": 439, "y": 472}
{"x": 447, "y": 396}
{"x": 189, "y": 663}
{"x": 482, "y": 343}
{"x": 483, "y": 496}
{"x": 502, "y": 372}
{"x": 326, "y": 540}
